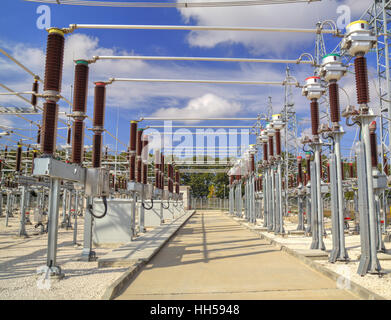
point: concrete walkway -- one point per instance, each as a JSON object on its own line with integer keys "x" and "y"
{"x": 212, "y": 257}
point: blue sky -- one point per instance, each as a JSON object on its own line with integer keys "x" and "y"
{"x": 26, "y": 42}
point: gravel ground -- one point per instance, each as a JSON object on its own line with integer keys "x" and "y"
{"x": 20, "y": 258}
{"x": 374, "y": 283}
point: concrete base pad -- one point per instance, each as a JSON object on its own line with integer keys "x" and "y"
{"x": 142, "y": 248}
{"x": 314, "y": 254}
{"x": 260, "y": 228}
{"x": 296, "y": 232}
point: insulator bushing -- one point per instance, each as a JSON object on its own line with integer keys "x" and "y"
{"x": 145, "y": 160}
{"x": 314, "y": 117}
{"x": 385, "y": 165}
{"x": 252, "y": 163}
{"x": 278, "y": 142}
{"x": 49, "y": 127}
{"x": 99, "y": 104}
{"x": 33, "y": 96}
{"x": 299, "y": 171}
{"x": 231, "y": 180}
{"x": 106, "y": 153}
{"x": 54, "y": 60}
{"x": 139, "y": 166}
{"x": 139, "y": 142}
{"x": 133, "y": 135}
{"x": 334, "y": 102}
{"x": 77, "y": 141}
{"x": 362, "y": 86}
{"x": 328, "y": 173}
{"x": 238, "y": 177}
{"x": 80, "y": 86}
{"x": 5, "y": 152}
{"x": 308, "y": 167}
{"x": 351, "y": 171}
{"x": 177, "y": 180}
{"x": 18, "y": 158}
{"x": 265, "y": 155}
{"x": 39, "y": 136}
{"x": 69, "y": 135}
{"x": 372, "y": 137}
{"x": 96, "y": 150}
{"x": 271, "y": 147}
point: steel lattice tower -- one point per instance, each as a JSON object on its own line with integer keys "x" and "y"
{"x": 290, "y": 134}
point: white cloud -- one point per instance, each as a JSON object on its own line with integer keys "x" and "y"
{"x": 208, "y": 105}
{"x": 297, "y": 15}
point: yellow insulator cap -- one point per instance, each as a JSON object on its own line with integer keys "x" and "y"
{"x": 133, "y": 121}
{"x": 355, "y": 22}
{"x": 56, "y": 30}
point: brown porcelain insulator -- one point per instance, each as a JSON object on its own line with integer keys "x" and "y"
{"x": 351, "y": 171}
{"x": 139, "y": 166}
{"x": 342, "y": 170}
{"x": 177, "y": 180}
{"x": 49, "y": 127}
{"x": 271, "y": 147}
{"x": 39, "y": 136}
{"x": 299, "y": 171}
{"x": 308, "y": 174}
{"x": 334, "y": 102}
{"x": 132, "y": 167}
{"x": 265, "y": 155}
{"x": 238, "y": 177}
{"x": 231, "y": 180}
{"x": 54, "y": 62}
{"x": 314, "y": 117}
{"x": 18, "y": 158}
{"x": 80, "y": 89}
{"x": 145, "y": 160}
{"x": 278, "y": 142}
{"x": 33, "y": 96}
{"x": 96, "y": 150}
{"x": 69, "y": 135}
{"x": 372, "y": 136}
{"x": 252, "y": 163}
{"x": 77, "y": 141}
{"x": 133, "y": 135}
{"x": 362, "y": 86}
{"x": 99, "y": 104}
{"x": 328, "y": 173}
{"x": 139, "y": 146}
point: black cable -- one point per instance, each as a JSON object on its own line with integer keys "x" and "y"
{"x": 104, "y": 213}
{"x": 167, "y": 206}
{"x": 143, "y": 204}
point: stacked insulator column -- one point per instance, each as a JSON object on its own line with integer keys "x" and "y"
{"x": 132, "y": 150}
{"x": 79, "y": 109}
{"x": 98, "y": 122}
{"x": 157, "y": 169}
{"x": 162, "y": 169}
{"x": 177, "y": 177}
{"x": 278, "y": 142}
{"x": 138, "y": 155}
{"x": 299, "y": 171}
{"x": 52, "y": 89}
{"x": 372, "y": 137}
{"x": 18, "y": 158}
{"x": 308, "y": 165}
{"x": 33, "y": 96}
{"x": 145, "y": 159}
